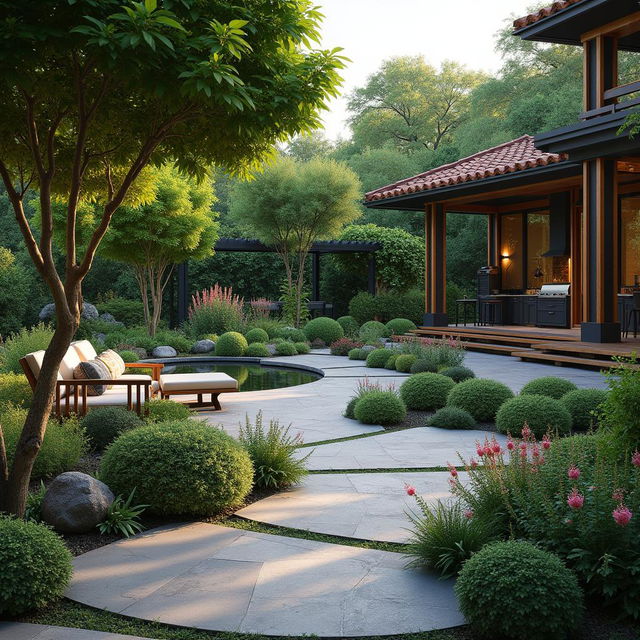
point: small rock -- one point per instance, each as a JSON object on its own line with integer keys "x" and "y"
{"x": 368, "y": 347}
{"x": 271, "y": 348}
{"x": 139, "y": 351}
{"x": 47, "y": 312}
{"x": 164, "y": 352}
{"x": 100, "y": 336}
{"x": 203, "y": 346}
{"x": 89, "y": 312}
{"x": 318, "y": 344}
{"x": 75, "y": 502}
{"x": 107, "y": 317}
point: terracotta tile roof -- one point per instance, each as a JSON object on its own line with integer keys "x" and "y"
{"x": 517, "y": 155}
{"x": 543, "y": 13}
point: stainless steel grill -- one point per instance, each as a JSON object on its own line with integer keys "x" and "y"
{"x": 555, "y": 290}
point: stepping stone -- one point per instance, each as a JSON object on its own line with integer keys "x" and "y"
{"x": 222, "y": 579}
{"x": 422, "y": 447}
{"x": 369, "y": 506}
{"x": 20, "y": 631}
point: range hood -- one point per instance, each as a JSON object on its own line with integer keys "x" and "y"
{"x": 559, "y": 204}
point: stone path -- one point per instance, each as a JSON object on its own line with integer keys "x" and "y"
{"x": 20, "y": 631}
{"x": 216, "y": 578}
{"x": 370, "y": 506}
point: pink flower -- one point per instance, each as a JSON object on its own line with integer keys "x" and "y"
{"x": 635, "y": 459}
{"x": 480, "y": 450}
{"x": 496, "y": 448}
{"x": 452, "y": 470}
{"x": 473, "y": 463}
{"x": 573, "y": 472}
{"x": 410, "y": 490}
{"x": 536, "y": 451}
{"x": 575, "y": 500}
{"x": 546, "y": 443}
{"x": 523, "y": 446}
{"x": 523, "y": 453}
{"x": 618, "y": 495}
{"x": 568, "y": 521}
{"x": 526, "y": 432}
{"x": 488, "y": 450}
{"x": 468, "y": 514}
{"x": 510, "y": 445}
{"x": 622, "y": 515}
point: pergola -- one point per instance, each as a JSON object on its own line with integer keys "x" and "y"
{"x": 255, "y": 246}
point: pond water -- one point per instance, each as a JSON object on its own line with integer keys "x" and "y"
{"x": 250, "y": 376}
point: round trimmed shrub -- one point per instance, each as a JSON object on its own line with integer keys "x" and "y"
{"x": 36, "y": 566}
{"x": 380, "y": 407}
{"x": 325, "y": 329}
{"x": 514, "y": 590}
{"x": 179, "y": 468}
{"x": 256, "y": 335}
{"x": 129, "y": 356}
{"x": 404, "y": 362}
{"x": 458, "y": 374}
{"x": 104, "y": 424}
{"x": 583, "y": 405}
{"x": 257, "y": 350}
{"x": 357, "y": 354}
{"x": 422, "y": 365}
{"x": 161, "y": 410}
{"x": 292, "y": 334}
{"x": 372, "y": 331}
{"x": 541, "y": 414}
{"x": 232, "y": 344}
{"x": 400, "y": 326}
{"x": 286, "y": 349}
{"x": 426, "y": 391}
{"x": 391, "y": 362}
{"x": 349, "y": 325}
{"x": 378, "y": 358}
{"x": 15, "y": 389}
{"x": 302, "y": 347}
{"x": 549, "y": 386}
{"x": 452, "y": 418}
{"x": 480, "y": 397}
{"x": 349, "y": 411}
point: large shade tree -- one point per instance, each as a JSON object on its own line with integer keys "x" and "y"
{"x": 92, "y": 92}
{"x": 291, "y": 205}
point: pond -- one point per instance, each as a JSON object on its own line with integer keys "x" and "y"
{"x": 251, "y": 376}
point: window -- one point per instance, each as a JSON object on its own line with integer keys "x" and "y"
{"x": 630, "y": 241}
{"x": 540, "y": 269}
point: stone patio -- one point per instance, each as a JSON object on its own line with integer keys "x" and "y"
{"x": 20, "y": 631}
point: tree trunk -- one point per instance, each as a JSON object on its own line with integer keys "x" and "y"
{"x": 141, "y": 279}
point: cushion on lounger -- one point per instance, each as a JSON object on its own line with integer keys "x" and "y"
{"x": 114, "y": 363}
{"x": 84, "y": 349}
{"x": 93, "y": 370}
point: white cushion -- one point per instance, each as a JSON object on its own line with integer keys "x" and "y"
{"x": 34, "y": 361}
{"x": 70, "y": 361}
{"x": 85, "y": 350}
{"x": 197, "y": 382}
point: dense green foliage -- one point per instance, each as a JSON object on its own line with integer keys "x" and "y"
{"x": 257, "y": 350}
{"x": 286, "y": 348}
{"x": 386, "y": 306}
{"x": 161, "y": 410}
{"x": 480, "y": 397}
{"x": 302, "y": 347}
{"x": 179, "y": 468}
{"x": 14, "y": 293}
{"x": 541, "y": 414}
{"x": 458, "y": 374}
{"x": 371, "y": 332}
{"x": 231, "y": 343}
{"x": 129, "y": 312}
{"x": 404, "y": 362}
{"x": 291, "y": 333}
{"x": 256, "y": 335}
{"x": 104, "y": 424}
{"x": 584, "y": 406}
{"x": 129, "y": 356}
{"x": 380, "y": 407}
{"x": 349, "y": 325}
{"x": 549, "y": 386}
{"x": 517, "y": 591}
{"x": 36, "y": 566}
{"x": 391, "y": 361}
{"x": 422, "y": 365}
{"x": 378, "y": 358}
{"x": 452, "y": 418}
{"x": 19, "y": 344}
{"x": 426, "y": 391}
{"x": 400, "y": 326}
{"x": 15, "y": 389}
{"x": 357, "y": 354}
{"x": 325, "y": 329}
{"x": 343, "y": 346}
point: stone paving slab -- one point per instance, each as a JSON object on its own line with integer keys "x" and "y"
{"x": 217, "y": 578}
{"x": 421, "y": 447}
{"x": 21, "y": 631}
{"x": 370, "y": 506}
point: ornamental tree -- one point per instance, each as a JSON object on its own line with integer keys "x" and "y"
{"x": 291, "y": 205}
{"x": 92, "y": 92}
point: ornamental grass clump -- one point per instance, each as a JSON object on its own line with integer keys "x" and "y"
{"x": 541, "y": 413}
{"x": 272, "y": 452}
{"x": 426, "y": 391}
{"x": 549, "y": 386}
{"x": 215, "y": 310}
{"x": 380, "y": 407}
{"x": 584, "y": 405}
{"x": 480, "y": 397}
{"x": 438, "y": 352}
{"x": 514, "y": 590}
{"x": 377, "y": 359}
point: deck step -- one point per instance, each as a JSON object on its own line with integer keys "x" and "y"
{"x": 485, "y": 337}
{"x": 585, "y": 349}
{"x": 560, "y": 360}
{"x": 494, "y": 333}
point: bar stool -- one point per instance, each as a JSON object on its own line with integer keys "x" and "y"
{"x": 633, "y": 315}
{"x": 466, "y": 302}
{"x": 488, "y": 311}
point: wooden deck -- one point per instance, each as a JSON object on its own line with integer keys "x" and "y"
{"x": 561, "y": 347}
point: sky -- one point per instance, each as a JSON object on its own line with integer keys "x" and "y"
{"x": 371, "y": 31}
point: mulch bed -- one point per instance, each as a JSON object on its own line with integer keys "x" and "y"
{"x": 420, "y": 419}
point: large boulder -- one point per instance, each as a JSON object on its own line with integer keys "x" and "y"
{"x": 75, "y": 502}
{"x": 48, "y": 312}
{"x": 109, "y": 319}
{"x": 203, "y": 346}
{"x": 164, "y": 352}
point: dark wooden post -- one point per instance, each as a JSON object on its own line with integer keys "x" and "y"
{"x": 372, "y": 274}
{"x": 493, "y": 239}
{"x": 436, "y": 269}
{"x": 315, "y": 276}
{"x": 183, "y": 292}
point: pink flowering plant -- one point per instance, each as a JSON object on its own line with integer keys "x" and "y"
{"x": 215, "y": 311}
{"x": 570, "y": 496}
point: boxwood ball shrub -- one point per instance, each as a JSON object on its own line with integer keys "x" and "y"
{"x": 426, "y": 391}
{"x": 372, "y": 331}
{"x": 458, "y": 374}
{"x": 256, "y": 335}
{"x": 257, "y": 350}
{"x": 378, "y": 358}
{"x": 286, "y": 349}
{"x": 514, "y": 590}
{"x": 541, "y": 413}
{"x": 399, "y": 326}
{"x": 391, "y": 361}
{"x": 104, "y": 424}
{"x": 380, "y": 407}
{"x": 548, "y": 386}
{"x": 422, "y": 365}
{"x": 179, "y": 468}
{"x": 480, "y": 397}
{"x": 36, "y": 566}
{"x": 583, "y": 405}
{"x": 302, "y": 347}
{"x": 232, "y": 344}
{"x": 349, "y": 325}
{"x": 404, "y": 362}
{"x": 325, "y": 329}
{"x": 357, "y": 354}
{"x": 452, "y": 418}
{"x": 161, "y": 410}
